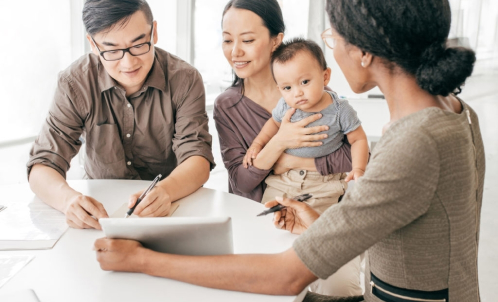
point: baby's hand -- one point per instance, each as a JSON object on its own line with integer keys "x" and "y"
{"x": 251, "y": 154}
{"x": 354, "y": 174}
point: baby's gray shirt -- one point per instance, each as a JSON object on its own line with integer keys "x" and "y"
{"x": 339, "y": 116}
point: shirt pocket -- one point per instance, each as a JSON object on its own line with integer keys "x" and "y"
{"x": 105, "y": 145}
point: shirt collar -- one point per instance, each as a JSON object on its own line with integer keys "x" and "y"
{"x": 156, "y": 77}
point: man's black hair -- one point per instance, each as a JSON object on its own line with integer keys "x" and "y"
{"x": 288, "y": 50}
{"x": 102, "y": 15}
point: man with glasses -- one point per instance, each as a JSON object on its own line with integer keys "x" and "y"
{"x": 140, "y": 110}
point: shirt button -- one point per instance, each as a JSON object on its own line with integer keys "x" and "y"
{"x": 301, "y": 172}
{"x": 128, "y": 135}
{"x": 129, "y": 105}
{"x": 129, "y": 163}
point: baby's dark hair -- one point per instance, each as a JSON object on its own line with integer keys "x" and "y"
{"x": 409, "y": 34}
{"x": 288, "y": 50}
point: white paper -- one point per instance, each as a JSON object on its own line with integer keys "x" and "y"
{"x": 30, "y": 225}
{"x": 11, "y": 265}
{"x": 24, "y": 295}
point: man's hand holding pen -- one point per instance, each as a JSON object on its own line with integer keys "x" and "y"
{"x": 296, "y": 217}
{"x": 154, "y": 201}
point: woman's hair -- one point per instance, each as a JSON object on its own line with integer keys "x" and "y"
{"x": 268, "y": 10}
{"x": 411, "y": 34}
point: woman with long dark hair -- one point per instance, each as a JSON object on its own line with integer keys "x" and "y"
{"x": 417, "y": 208}
{"x": 252, "y": 30}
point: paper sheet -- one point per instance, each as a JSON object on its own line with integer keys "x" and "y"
{"x": 11, "y": 265}
{"x": 120, "y": 213}
{"x": 30, "y": 225}
{"x": 23, "y": 295}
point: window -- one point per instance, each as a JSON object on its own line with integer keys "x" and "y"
{"x": 37, "y": 45}
{"x": 164, "y": 12}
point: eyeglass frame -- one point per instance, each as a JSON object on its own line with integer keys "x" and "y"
{"x": 325, "y": 36}
{"x": 126, "y": 50}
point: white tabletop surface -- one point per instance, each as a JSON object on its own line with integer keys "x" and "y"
{"x": 70, "y": 272}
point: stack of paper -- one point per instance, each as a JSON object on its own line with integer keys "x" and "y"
{"x": 30, "y": 225}
{"x": 11, "y": 265}
{"x": 24, "y": 295}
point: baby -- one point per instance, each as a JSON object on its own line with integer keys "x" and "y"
{"x": 300, "y": 71}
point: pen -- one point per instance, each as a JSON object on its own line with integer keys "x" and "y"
{"x": 152, "y": 185}
{"x": 280, "y": 207}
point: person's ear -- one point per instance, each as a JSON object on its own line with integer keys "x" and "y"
{"x": 277, "y": 41}
{"x": 366, "y": 59}
{"x": 155, "y": 32}
{"x": 326, "y": 76}
{"x": 363, "y": 58}
{"x": 92, "y": 45}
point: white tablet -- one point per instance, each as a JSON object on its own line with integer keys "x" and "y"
{"x": 175, "y": 235}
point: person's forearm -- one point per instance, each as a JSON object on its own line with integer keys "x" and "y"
{"x": 51, "y": 187}
{"x": 267, "y": 132}
{"x": 268, "y": 156}
{"x": 277, "y": 274}
{"x": 185, "y": 179}
{"x": 359, "y": 154}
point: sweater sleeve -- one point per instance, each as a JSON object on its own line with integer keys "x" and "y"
{"x": 397, "y": 188}
{"x": 232, "y": 152}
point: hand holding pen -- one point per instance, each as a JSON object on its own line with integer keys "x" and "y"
{"x": 279, "y": 207}
{"x": 143, "y": 195}
{"x": 295, "y": 216}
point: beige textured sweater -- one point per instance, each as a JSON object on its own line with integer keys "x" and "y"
{"x": 416, "y": 210}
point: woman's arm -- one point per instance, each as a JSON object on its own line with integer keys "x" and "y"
{"x": 233, "y": 151}
{"x": 277, "y": 274}
{"x": 290, "y": 135}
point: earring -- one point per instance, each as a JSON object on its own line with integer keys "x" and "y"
{"x": 362, "y": 64}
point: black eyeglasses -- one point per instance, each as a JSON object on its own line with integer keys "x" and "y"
{"x": 135, "y": 50}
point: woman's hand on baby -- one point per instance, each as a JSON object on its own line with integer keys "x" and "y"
{"x": 296, "y": 217}
{"x": 354, "y": 174}
{"x": 251, "y": 154}
{"x": 295, "y": 135}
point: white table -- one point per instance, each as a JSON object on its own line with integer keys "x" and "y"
{"x": 70, "y": 272}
